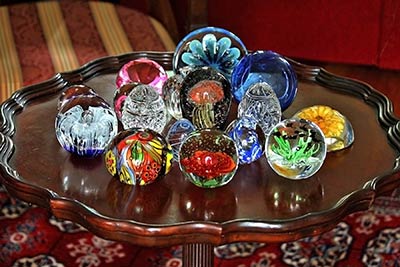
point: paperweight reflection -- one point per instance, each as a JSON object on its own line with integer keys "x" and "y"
{"x": 217, "y": 204}
{"x": 140, "y": 203}
{"x": 291, "y": 198}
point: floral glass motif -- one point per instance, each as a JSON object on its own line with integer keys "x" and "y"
{"x": 85, "y": 125}
{"x": 144, "y": 108}
{"x": 142, "y": 70}
{"x": 296, "y": 148}
{"x": 210, "y": 46}
{"x": 208, "y": 158}
{"x": 205, "y": 98}
{"x": 338, "y": 131}
{"x": 138, "y": 156}
{"x": 260, "y": 103}
{"x": 177, "y": 133}
{"x": 248, "y": 137}
{"x": 268, "y": 67}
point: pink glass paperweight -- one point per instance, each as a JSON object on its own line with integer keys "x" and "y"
{"x": 85, "y": 125}
{"x": 338, "y": 131}
{"x": 295, "y": 148}
{"x": 205, "y": 98}
{"x": 138, "y": 156}
{"x": 208, "y": 158}
{"x": 144, "y": 71}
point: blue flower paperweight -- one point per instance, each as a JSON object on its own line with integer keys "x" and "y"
{"x": 209, "y": 46}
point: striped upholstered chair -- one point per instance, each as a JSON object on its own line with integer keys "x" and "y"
{"x": 39, "y": 39}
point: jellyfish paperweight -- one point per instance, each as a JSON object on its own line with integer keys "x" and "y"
{"x": 268, "y": 67}
{"x": 338, "y": 131}
{"x": 144, "y": 108}
{"x": 208, "y": 158}
{"x": 74, "y": 91}
{"x": 209, "y": 47}
{"x": 142, "y": 70}
{"x": 249, "y": 139}
{"x": 85, "y": 125}
{"x": 295, "y": 148}
{"x": 138, "y": 156}
{"x": 205, "y": 98}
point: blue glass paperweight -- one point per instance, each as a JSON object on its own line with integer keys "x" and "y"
{"x": 268, "y": 67}
{"x": 177, "y": 133}
{"x": 248, "y": 137}
{"x": 210, "y": 46}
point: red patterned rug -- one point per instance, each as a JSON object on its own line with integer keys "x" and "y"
{"x": 30, "y": 236}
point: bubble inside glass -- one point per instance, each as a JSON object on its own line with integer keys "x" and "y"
{"x": 208, "y": 158}
{"x": 296, "y": 148}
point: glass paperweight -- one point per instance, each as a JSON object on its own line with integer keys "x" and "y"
{"x": 142, "y": 70}
{"x": 177, "y": 133}
{"x": 268, "y": 67}
{"x": 205, "y": 98}
{"x": 260, "y": 103}
{"x": 295, "y": 148}
{"x": 138, "y": 156}
{"x": 338, "y": 131}
{"x": 171, "y": 95}
{"x": 144, "y": 108}
{"x": 85, "y": 125}
{"x": 210, "y": 46}
{"x": 74, "y": 91}
{"x": 249, "y": 139}
{"x": 208, "y": 158}
{"x": 120, "y": 95}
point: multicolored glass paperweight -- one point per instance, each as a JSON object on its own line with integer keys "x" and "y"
{"x": 260, "y": 103}
{"x": 268, "y": 67}
{"x": 249, "y": 138}
{"x": 138, "y": 156}
{"x": 144, "y": 108}
{"x": 177, "y": 133}
{"x": 208, "y": 158}
{"x": 209, "y": 46}
{"x": 171, "y": 95}
{"x": 85, "y": 125}
{"x": 142, "y": 70}
{"x": 338, "y": 131}
{"x": 205, "y": 98}
{"x": 295, "y": 148}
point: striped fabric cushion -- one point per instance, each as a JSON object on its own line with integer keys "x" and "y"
{"x": 42, "y": 38}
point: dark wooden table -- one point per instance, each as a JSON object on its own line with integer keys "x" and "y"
{"x": 257, "y": 205}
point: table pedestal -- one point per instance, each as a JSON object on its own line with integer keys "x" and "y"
{"x": 198, "y": 255}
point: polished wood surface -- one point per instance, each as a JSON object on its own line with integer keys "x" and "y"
{"x": 257, "y": 205}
